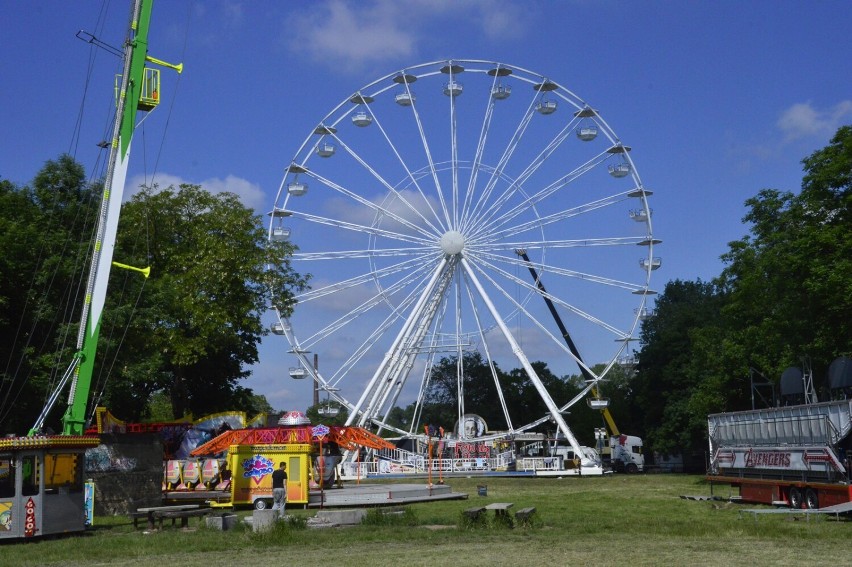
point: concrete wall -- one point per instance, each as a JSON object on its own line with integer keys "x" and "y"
{"x": 128, "y": 472}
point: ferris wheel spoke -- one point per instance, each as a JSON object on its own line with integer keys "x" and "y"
{"x": 364, "y": 253}
{"x": 496, "y": 235}
{"x": 492, "y": 219}
{"x": 377, "y": 208}
{"x": 522, "y": 358}
{"x": 618, "y": 333}
{"x": 435, "y": 345}
{"x": 364, "y": 348}
{"x": 416, "y": 210}
{"x": 423, "y": 300}
{"x": 487, "y": 219}
{"x": 360, "y": 228}
{"x": 501, "y": 164}
{"x": 382, "y": 296}
{"x": 477, "y": 158}
{"x": 558, "y": 341}
{"x": 482, "y": 337}
{"x": 403, "y": 360}
{"x": 318, "y": 293}
{"x": 430, "y": 350}
{"x": 431, "y": 165}
{"x": 580, "y": 243}
{"x": 534, "y": 165}
{"x": 454, "y": 157}
{"x": 573, "y": 401}
{"x": 511, "y": 146}
{"x": 573, "y": 274}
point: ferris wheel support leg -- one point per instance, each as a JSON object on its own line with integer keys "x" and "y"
{"x": 401, "y": 366}
{"x": 522, "y": 358}
{"x": 418, "y": 331}
{"x": 380, "y": 371}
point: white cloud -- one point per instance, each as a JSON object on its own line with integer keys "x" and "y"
{"x": 349, "y": 35}
{"x": 802, "y": 119}
{"x": 503, "y": 20}
{"x": 249, "y": 193}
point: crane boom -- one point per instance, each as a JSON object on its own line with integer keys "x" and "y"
{"x": 610, "y": 422}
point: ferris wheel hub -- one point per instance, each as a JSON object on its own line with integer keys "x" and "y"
{"x": 452, "y": 242}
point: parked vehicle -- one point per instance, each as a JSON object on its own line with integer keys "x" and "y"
{"x": 625, "y": 454}
{"x": 798, "y": 456}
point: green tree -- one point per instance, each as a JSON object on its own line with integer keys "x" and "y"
{"x": 667, "y": 374}
{"x": 259, "y": 404}
{"x": 196, "y": 325}
{"x": 789, "y": 283}
{"x": 476, "y": 388}
{"x": 319, "y": 413}
{"x": 45, "y": 234}
{"x": 523, "y": 402}
{"x": 785, "y": 293}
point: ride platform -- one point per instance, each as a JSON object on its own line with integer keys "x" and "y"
{"x": 348, "y": 495}
{"x": 382, "y": 495}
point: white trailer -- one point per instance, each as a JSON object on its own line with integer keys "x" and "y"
{"x": 795, "y": 455}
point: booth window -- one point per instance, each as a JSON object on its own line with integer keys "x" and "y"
{"x": 29, "y": 475}
{"x": 294, "y": 472}
{"x": 7, "y": 477}
{"x": 61, "y": 471}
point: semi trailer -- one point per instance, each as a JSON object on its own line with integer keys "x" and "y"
{"x": 797, "y": 456}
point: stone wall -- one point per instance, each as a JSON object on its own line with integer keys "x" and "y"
{"x": 127, "y": 470}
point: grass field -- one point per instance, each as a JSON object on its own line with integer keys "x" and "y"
{"x": 617, "y": 520}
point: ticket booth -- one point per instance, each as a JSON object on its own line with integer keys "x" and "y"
{"x": 252, "y": 467}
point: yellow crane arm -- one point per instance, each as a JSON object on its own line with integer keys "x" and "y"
{"x": 610, "y": 423}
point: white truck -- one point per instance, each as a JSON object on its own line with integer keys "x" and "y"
{"x": 625, "y": 454}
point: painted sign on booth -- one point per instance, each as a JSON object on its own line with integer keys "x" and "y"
{"x": 257, "y": 467}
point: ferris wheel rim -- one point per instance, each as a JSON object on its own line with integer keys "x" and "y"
{"x": 335, "y": 119}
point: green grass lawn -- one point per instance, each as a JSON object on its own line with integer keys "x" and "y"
{"x": 617, "y": 520}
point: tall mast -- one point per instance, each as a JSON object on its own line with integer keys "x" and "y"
{"x": 135, "y": 53}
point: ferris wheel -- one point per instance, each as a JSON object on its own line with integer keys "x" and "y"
{"x": 419, "y": 205}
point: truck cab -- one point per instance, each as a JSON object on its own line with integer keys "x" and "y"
{"x": 626, "y": 453}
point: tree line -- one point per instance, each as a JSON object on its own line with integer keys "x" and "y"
{"x": 783, "y": 297}
{"x": 178, "y": 342}
{"x": 188, "y": 333}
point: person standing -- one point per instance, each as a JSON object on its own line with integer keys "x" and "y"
{"x": 279, "y": 490}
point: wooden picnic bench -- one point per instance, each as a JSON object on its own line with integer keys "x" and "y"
{"x": 524, "y": 516}
{"x": 184, "y": 516}
{"x": 183, "y": 511}
{"x": 500, "y": 508}
{"x": 136, "y": 516}
{"x": 501, "y": 512}
{"x": 474, "y": 513}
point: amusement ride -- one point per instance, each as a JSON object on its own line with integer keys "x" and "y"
{"x": 419, "y": 203}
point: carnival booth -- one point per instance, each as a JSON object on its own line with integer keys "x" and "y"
{"x": 41, "y": 485}
{"x": 310, "y": 452}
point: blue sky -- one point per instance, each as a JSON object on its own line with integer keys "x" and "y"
{"x": 717, "y": 99}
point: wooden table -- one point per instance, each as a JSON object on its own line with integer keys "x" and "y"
{"x": 160, "y": 511}
{"x": 501, "y": 512}
{"x": 500, "y": 508}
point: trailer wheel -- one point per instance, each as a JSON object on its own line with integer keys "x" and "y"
{"x": 795, "y": 499}
{"x": 811, "y": 499}
{"x": 260, "y": 504}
